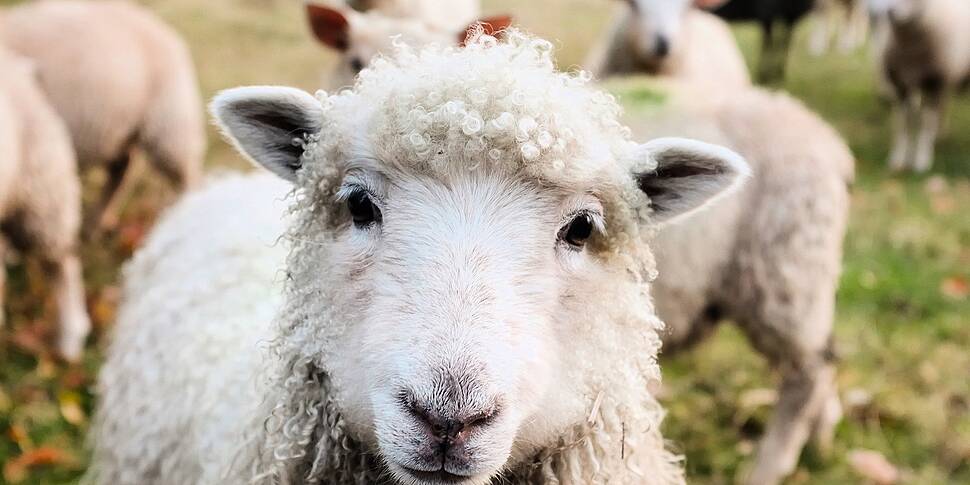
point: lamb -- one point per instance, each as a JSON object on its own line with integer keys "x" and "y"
{"x": 767, "y": 257}
{"x": 926, "y": 59}
{"x": 40, "y": 201}
{"x": 121, "y": 79}
{"x": 442, "y": 15}
{"x": 775, "y": 43}
{"x": 360, "y": 37}
{"x": 671, "y": 39}
{"x": 465, "y": 297}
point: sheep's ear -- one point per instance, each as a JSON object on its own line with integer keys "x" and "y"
{"x": 709, "y": 4}
{"x": 494, "y": 26}
{"x": 269, "y": 124}
{"x": 329, "y": 25}
{"x": 688, "y": 175}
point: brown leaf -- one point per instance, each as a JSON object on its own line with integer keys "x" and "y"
{"x": 955, "y": 288}
{"x": 15, "y": 471}
{"x": 873, "y": 466}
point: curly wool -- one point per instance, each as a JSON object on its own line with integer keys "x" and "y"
{"x": 432, "y": 111}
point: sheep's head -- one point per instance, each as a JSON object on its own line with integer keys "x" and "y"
{"x": 360, "y": 37}
{"x": 655, "y": 28}
{"x": 469, "y": 257}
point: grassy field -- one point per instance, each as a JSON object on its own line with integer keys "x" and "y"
{"x": 903, "y": 309}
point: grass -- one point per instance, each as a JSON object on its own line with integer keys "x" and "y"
{"x": 903, "y": 314}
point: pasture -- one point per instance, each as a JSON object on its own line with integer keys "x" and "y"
{"x": 903, "y": 321}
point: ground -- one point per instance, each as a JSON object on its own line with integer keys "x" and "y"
{"x": 903, "y": 310}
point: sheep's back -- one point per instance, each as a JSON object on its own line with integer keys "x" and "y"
{"x": 198, "y": 302}
{"x": 39, "y": 186}
{"x": 100, "y": 63}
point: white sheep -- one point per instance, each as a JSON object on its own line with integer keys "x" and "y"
{"x": 443, "y": 15}
{"x": 361, "y": 36}
{"x": 767, "y": 257}
{"x": 40, "y": 201}
{"x": 672, "y": 39}
{"x": 925, "y": 59}
{"x": 465, "y": 296}
{"x": 121, "y": 79}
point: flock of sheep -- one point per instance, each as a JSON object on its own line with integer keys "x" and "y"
{"x": 463, "y": 268}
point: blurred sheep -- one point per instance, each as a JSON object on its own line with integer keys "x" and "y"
{"x": 669, "y": 38}
{"x": 121, "y": 79}
{"x": 925, "y": 59}
{"x": 442, "y": 15}
{"x": 361, "y": 36}
{"x": 776, "y": 39}
{"x": 767, "y": 257}
{"x": 40, "y": 197}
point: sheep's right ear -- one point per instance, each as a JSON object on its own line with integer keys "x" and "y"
{"x": 329, "y": 25}
{"x": 709, "y": 4}
{"x": 269, "y": 125}
{"x": 495, "y": 26}
{"x": 685, "y": 175}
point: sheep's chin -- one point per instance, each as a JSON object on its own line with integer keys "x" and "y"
{"x": 404, "y": 476}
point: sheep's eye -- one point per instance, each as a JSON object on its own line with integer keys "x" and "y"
{"x": 362, "y": 209}
{"x": 356, "y": 64}
{"x": 578, "y": 231}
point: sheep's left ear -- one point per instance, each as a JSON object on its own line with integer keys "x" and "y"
{"x": 709, "y": 4}
{"x": 269, "y": 124}
{"x": 688, "y": 175}
{"x": 494, "y": 26}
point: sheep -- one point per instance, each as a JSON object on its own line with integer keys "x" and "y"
{"x": 40, "y": 198}
{"x": 360, "y": 37}
{"x": 774, "y": 50}
{"x": 926, "y": 58}
{"x": 443, "y": 15}
{"x": 464, "y": 296}
{"x": 767, "y": 257}
{"x": 121, "y": 79}
{"x": 669, "y": 38}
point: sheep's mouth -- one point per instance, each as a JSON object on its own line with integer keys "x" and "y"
{"x": 436, "y": 477}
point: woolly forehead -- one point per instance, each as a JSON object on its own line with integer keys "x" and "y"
{"x": 495, "y": 106}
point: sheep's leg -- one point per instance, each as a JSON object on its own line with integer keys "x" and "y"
{"x": 3, "y": 279}
{"x": 823, "y": 430}
{"x": 803, "y": 395}
{"x": 903, "y": 120}
{"x": 69, "y": 293}
{"x": 825, "y": 19}
{"x": 930, "y": 113}
{"x": 767, "y": 50}
{"x": 105, "y": 215}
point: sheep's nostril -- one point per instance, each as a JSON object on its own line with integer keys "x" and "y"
{"x": 446, "y": 427}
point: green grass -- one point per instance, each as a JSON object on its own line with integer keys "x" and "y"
{"x": 903, "y": 337}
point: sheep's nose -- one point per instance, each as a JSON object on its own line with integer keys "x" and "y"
{"x": 661, "y": 46}
{"x": 449, "y": 429}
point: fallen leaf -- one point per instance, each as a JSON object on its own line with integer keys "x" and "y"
{"x": 955, "y": 288}
{"x": 70, "y": 406}
{"x": 873, "y": 466}
{"x": 104, "y": 305}
{"x": 15, "y": 471}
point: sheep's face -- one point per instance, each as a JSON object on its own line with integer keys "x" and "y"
{"x": 462, "y": 280}
{"x": 360, "y": 37}
{"x": 905, "y": 12}
{"x": 454, "y": 264}
{"x": 655, "y": 28}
